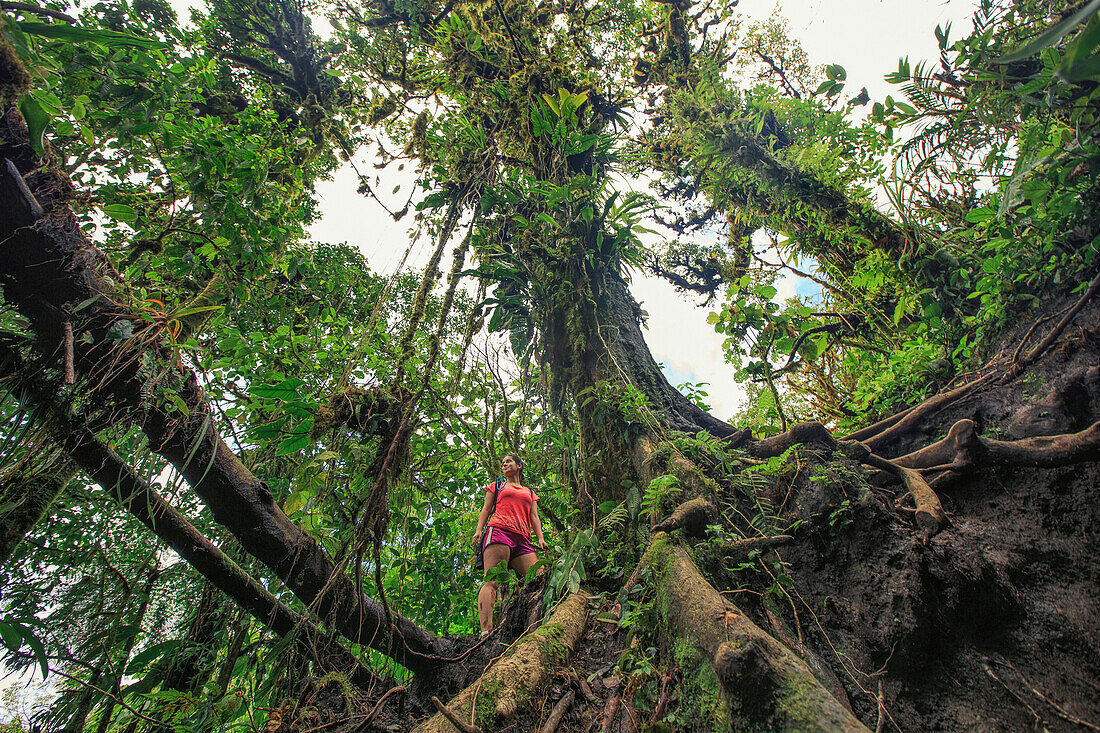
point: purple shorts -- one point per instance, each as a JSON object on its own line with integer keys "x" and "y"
{"x": 516, "y": 543}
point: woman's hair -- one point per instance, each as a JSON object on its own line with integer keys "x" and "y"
{"x": 519, "y": 461}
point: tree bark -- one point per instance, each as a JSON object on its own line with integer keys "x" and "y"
{"x": 48, "y": 269}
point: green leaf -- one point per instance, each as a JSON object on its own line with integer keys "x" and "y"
{"x": 76, "y": 34}
{"x": 1051, "y": 36}
{"x": 285, "y": 390}
{"x": 296, "y": 441}
{"x": 120, "y": 330}
{"x": 143, "y": 660}
{"x": 121, "y": 212}
{"x": 767, "y": 292}
{"x": 295, "y": 501}
{"x": 977, "y": 216}
{"x": 37, "y": 118}
{"x": 38, "y": 650}
{"x": 10, "y": 636}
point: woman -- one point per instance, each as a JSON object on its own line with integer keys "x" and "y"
{"x": 508, "y": 535}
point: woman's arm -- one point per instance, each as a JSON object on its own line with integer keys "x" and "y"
{"x": 486, "y": 510}
{"x": 536, "y": 524}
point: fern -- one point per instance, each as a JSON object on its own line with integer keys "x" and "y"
{"x": 616, "y": 518}
{"x": 658, "y": 489}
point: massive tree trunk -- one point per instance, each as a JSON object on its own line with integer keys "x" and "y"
{"x": 50, "y": 268}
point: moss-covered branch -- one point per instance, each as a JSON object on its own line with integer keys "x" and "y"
{"x": 761, "y": 683}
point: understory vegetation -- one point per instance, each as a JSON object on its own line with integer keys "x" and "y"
{"x": 240, "y": 469}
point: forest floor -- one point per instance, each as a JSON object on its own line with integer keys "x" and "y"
{"x": 992, "y": 624}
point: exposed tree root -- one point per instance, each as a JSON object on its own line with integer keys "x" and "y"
{"x": 685, "y": 470}
{"x": 963, "y": 450}
{"x": 762, "y": 682}
{"x": 929, "y": 516}
{"x": 745, "y": 546}
{"x": 692, "y": 517}
{"x": 509, "y": 683}
{"x": 802, "y": 433}
{"x": 916, "y": 415}
{"x": 813, "y": 660}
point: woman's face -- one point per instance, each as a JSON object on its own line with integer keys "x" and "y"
{"x": 509, "y": 466}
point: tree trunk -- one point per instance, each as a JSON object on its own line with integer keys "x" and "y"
{"x": 88, "y": 698}
{"x": 193, "y": 663}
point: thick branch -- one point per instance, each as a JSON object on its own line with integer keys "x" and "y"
{"x": 49, "y": 266}
{"x": 134, "y": 493}
{"x": 37, "y": 10}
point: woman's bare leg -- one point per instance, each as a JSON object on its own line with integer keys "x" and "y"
{"x": 495, "y": 554}
{"x": 523, "y": 563}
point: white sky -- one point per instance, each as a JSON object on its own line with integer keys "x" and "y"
{"x": 866, "y": 37}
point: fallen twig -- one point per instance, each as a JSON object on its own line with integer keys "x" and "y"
{"x": 610, "y": 713}
{"x": 70, "y": 373}
{"x": 558, "y": 712}
{"x": 362, "y": 727}
{"x": 456, "y": 721}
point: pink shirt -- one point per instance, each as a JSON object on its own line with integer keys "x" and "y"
{"x": 513, "y": 510}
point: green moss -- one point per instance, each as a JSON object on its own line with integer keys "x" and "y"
{"x": 796, "y": 706}
{"x": 485, "y": 711}
{"x": 548, "y": 638}
{"x": 700, "y": 691}
{"x": 347, "y": 691}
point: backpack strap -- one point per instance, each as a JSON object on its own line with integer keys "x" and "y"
{"x": 497, "y": 486}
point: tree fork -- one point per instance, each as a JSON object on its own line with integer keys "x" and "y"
{"x": 48, "y": 265}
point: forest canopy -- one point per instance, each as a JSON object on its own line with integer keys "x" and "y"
{"x": 240, "y": 468}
